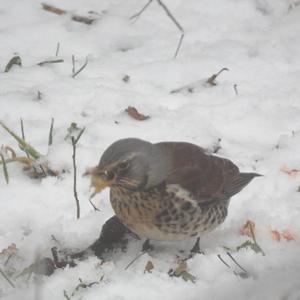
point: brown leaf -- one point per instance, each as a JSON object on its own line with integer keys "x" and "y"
{"x": 132, "y": 111}
{"x": 275, "y": 235}
{"x": 10, "y": 250}
{"x": 290, "y": 172}
{"x": 149, "y": 267}
{"x": 287, "y": 235}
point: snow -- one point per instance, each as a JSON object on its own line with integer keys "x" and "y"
{"x": 257, "y": 40}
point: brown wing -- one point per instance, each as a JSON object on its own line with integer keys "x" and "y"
{"x": 205, "y": 176}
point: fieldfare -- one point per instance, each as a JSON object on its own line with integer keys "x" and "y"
{"x": 167, "y": 191}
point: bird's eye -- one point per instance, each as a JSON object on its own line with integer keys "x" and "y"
{"x": 123, "y": 165}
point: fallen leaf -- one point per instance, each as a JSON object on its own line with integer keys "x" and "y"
{"x": 290, "y": 172}
{"x": 287, "y": 235}
{"x": 275, "y": 234}
{"x": 181, "y": 271}
{"x": 132, "y": 111}
{"x": 10, "y": 250}
{"x": 149, "y": 267}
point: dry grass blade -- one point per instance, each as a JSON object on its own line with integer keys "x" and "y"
{"x": 50, "y": 138}
{"x": 57, "y": 49}
{"x": 22, "y": 159}
{"x": 135, "y": 259}
{"x": 75, "y": 178}
{"x": 79, "y": 135}
{"x": 6, "y": 278}
{"x": 83, "y": 66}
{"x": 4, "y": 169}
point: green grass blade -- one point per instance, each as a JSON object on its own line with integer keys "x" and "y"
{"x": 27, "y": 148}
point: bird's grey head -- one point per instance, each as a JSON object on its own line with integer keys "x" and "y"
{"x": 131, "y": 163}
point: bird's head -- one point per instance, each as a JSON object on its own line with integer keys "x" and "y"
{"x": 130, "y": 163}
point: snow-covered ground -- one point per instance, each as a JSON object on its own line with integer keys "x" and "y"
{"x": 257, "y": 40}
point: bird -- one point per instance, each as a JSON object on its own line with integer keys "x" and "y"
{"x": 167, "y": 191}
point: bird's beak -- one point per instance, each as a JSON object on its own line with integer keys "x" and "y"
{"x": 100, "y": 179}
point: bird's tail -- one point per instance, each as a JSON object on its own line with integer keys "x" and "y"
{"x": 239, "y": 182}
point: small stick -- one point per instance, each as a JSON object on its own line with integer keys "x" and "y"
{"x": 136, "y": 16}
{"x": 135, "y": 259}
{"x": 75, "y": 177}
{"x": 169, "y": 14}
{"x": 50, "y": 139}
{"x": 51, "y": 61}
{"x": 7, "y": 279}
{"x": 53, "y": 9}
{"x": 176, "y": 24}
{"x": 5, "y": 169}
{"x": 83, "y": 66}
{"x": 57, "y": 49}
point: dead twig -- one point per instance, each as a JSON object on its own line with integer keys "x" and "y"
{"x": 211, "y": 80}
{"x": 59, "y": 11}
{"x": 137, "y": 15}
{"x": 176, "y": 24}
{"x": 170, "y": 15}
{"x": 50, "y": 61}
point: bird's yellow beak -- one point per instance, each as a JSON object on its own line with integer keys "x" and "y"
{"x": 100, "y": 179}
